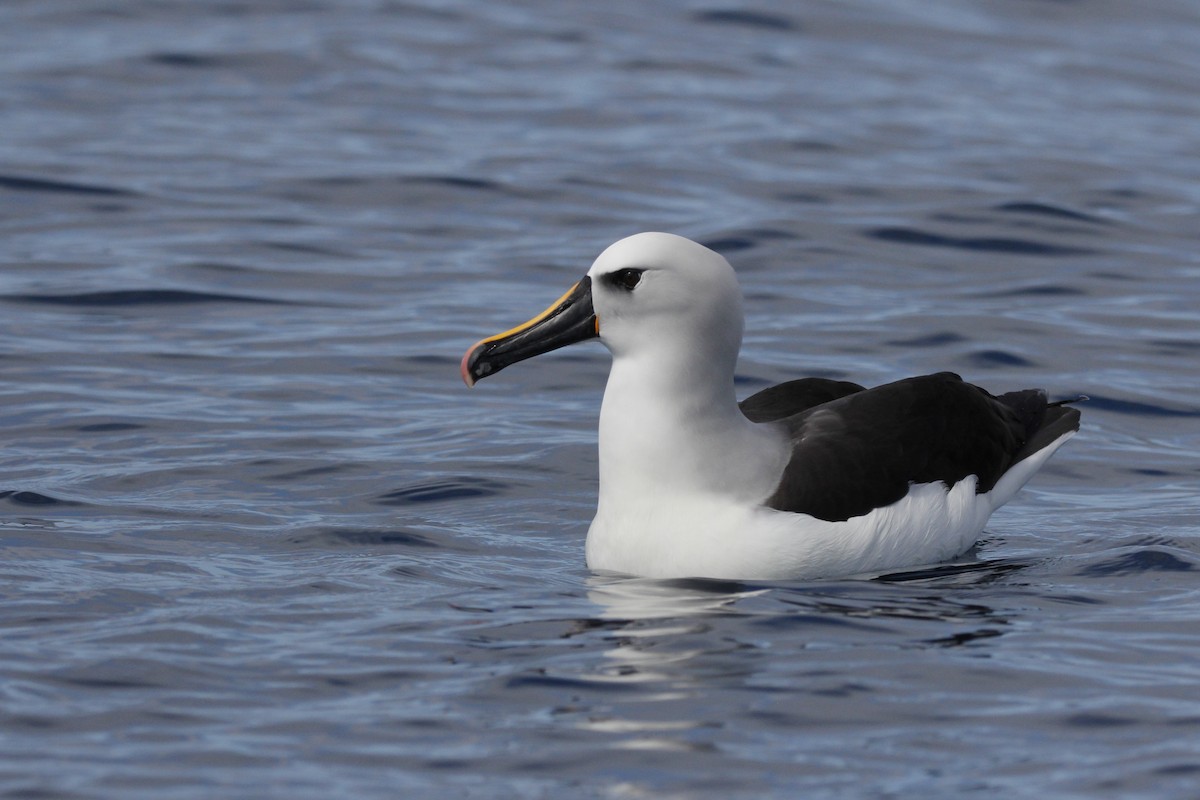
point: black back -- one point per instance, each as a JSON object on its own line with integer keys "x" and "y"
{"x": 864, "y": 448}
{"x": 787, "y": 399}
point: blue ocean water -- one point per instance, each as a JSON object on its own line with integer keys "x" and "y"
{"x": 259, "y": 541}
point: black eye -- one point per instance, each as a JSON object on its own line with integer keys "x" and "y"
{"x": 625, "y": 279}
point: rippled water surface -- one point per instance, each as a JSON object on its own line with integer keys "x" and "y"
{"x": 259, "y": 541}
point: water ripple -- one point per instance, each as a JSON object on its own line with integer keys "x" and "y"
{"x": 441, "y": 491}
{"x": 28, "y": 498}
{"x": 978, "y": 244}
{"x": 998, "y": 358}
{"x": 1139, "y": 561}
{"x": 140, "y": 297}
{"x": 357, "y": 537}
{"x": 1047, "y": 210}
{"x": 1138, "y": 408}
{"x": 746, "y": 19}
{"x": 19, "y": 183}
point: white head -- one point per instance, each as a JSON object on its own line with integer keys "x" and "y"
{"x": 654, "y": 298}
{"x": 654, "y": 291}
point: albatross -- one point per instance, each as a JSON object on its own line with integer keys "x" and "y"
{"x": 813, "y": 478}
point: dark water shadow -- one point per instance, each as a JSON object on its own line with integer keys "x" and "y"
{"x": 743, "y": 18}
{"x": 366, "y": 537}
{"x": 1103, "y": 403}
{"x": 184, "y": 60}
{"x": 976, "y": 244}
{"x": 20, "y": 183}
{"x": 1049, "y": 211}
{"x": 938, "y": 339}
{"x": 973, "y": 573}
{"x": 1138, "y": 562}
{"x": 28, "y": 498}
{"x": 988, "y": 359}
{"x": 1039, "y": 290}
{"x": 442, "y": 490}
{"x": 132, "y": 298}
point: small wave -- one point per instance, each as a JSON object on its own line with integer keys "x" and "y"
{"x": 985, "y": 244}
{"x": 999, "y": 358}
{"x": 1173, "y": 346}
{"x": 745, "y": 19}
{"x": 965, "y": 637}
{"x": 1136, "y": 408}
{"x": 19, "y": 183}
{"x": 1147, "y": 560}
{"x": 939, "y": 339}
{"x": 360, "y": 537}
{"x": 27, "y": 498}
{"x": 1094, "y": 719}
{"x": 138, "y": 297}
{"x": 1046, "y": 210}
{"x": 456, "y": 182}
{"x": 543, "y": 680}
{"x": 980, "y": 571}
{"x": 109, "y": 427}
{"x": 184, "y": 60}
{"x": 746, "y": 240}
{"x": 441, "y": 491}
{"x": 118, "y": 674}
{"x": 544, "y": 630}
{"x": 1044, "y": 290}
{"x": 1151, "y": 472}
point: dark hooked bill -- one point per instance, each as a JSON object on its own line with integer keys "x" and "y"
{"x": 571, "y": 319}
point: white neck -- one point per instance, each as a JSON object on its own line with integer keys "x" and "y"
{"x": 671, "y": 425}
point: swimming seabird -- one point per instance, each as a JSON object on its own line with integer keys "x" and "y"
{"x": 812, "y": 478}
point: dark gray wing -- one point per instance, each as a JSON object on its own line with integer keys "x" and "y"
{"x": 865, "y": 449}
